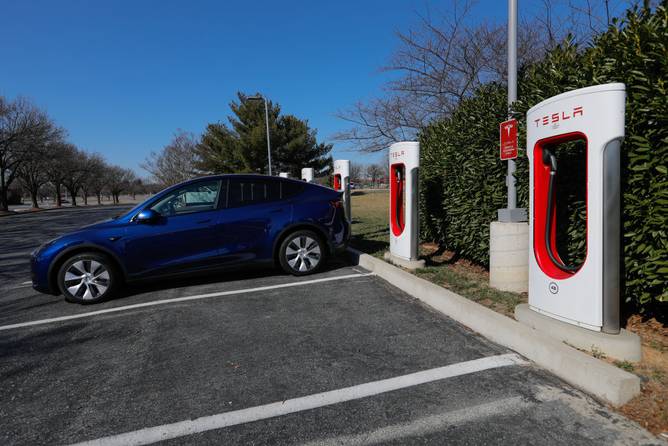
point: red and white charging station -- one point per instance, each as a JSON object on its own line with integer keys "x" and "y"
{"x": 342, "y": 183}
{"x": 307, "y": 174}
{"x": 404, "y": 224}
{"x": 284, "y": 175}
{"x": 586, "y": 295}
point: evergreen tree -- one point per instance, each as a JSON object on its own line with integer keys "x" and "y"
{"x": 241, "y": 146}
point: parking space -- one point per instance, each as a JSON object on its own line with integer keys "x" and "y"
{"x": 259, "y": 357}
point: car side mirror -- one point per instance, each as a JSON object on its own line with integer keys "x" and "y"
{"x": 147, "y": 216}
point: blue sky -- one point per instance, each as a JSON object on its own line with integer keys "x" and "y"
{"x": 122, "y": 76}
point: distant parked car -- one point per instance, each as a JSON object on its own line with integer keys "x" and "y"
{"x": 205, "y": 224}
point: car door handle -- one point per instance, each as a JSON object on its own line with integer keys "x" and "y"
{"x": 206, "y": 220}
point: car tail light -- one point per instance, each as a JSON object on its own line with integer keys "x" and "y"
{"x": 336, "y": 204}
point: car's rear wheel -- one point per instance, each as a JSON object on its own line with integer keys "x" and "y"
{"x": 302, "y": 253}
{"x": 88, "y": 278}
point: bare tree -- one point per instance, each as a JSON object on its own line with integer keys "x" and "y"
{"x": 438, "y": 63}
{"x": 32, "y": 174}
{"x": 45, "y": 192}
{"x": 19, "y": 120}
{"x": 119, "y": 181}
{"x": 374, "y": 173}
{"x": 356, "y": 172}
{"x": 32, "y": 171}
{"x": 445, "y": 58}
{"x": 175, "y": 162}
{"x": 61, "y": 155}
{"x": 136, "y": 187}
{"x": 98, "y": 180}
{"x": 96, "y": 169}
{"x": 77, "y": 170}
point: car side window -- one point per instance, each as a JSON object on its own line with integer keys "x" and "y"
{"x": 196, "y": 197}
{"x": 245, "y": 192}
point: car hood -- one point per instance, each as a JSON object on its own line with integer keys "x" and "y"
{"x": 102, "y": 224}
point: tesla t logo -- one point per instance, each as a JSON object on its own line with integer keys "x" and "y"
{"x": 556, "y": 118}
{"x": 508, "y": 128}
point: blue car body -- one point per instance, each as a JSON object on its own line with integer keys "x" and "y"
{"x": 220, "y": 238}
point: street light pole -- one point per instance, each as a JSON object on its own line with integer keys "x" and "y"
{"x": 512, "y": 214}
{"x": 512, "y": 92}
{"x": 266, "y": 119}
{"x": 509, "y": 236}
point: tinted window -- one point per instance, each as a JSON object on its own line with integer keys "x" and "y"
{"x": 196, "y": 197}
{"x": 291, "y": 188}
{"x": 252, "y": 191}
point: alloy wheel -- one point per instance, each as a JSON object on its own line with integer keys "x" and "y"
{"x": 87, "y": 279}
{"x": 303, "y": 253}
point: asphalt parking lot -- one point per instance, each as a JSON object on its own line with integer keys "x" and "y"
{"x": 259, "y": 357}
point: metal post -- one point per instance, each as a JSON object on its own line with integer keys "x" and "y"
{"x": 512, "y": 91}
{"x": 266, "y": 118}
{"x": 511, "y": 213}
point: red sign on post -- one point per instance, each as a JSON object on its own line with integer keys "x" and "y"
{"x": 508, "y": 138}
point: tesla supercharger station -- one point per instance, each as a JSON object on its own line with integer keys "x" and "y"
{"x": 404, "y": 226}
{"x": 284, "y": 175}
{"x": 586, "y": 295}
{"x": 342, "y": 183}
{"x": 307, "y": 174}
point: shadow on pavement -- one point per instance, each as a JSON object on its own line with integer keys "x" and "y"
{"x": 239, "y": 274}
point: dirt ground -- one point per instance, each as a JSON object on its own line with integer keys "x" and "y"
{"x": 650, "y": 408}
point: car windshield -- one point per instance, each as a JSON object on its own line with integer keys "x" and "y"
{"x": 138, "y": 206}
{"x": 134, "y": 209}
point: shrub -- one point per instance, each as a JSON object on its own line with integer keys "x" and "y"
{"x": 463, "y": 181}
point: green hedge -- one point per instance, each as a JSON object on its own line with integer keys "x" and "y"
{"x": 463, "y": 181}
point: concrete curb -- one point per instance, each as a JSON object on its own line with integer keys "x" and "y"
{"x": 595, "y": 377}
{"x": 624, "y": 346}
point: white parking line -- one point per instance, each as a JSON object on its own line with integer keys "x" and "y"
{"x": 16, "y": 287}
{"x": 20, "y": 285}
{"x": 429, "y": 424}
{"x": 180, "y": 299}
{"x": 189, "y": 427}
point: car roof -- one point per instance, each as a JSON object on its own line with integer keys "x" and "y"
{"x": 248, "y": 176}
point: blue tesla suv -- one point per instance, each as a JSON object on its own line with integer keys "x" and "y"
{"x": 208, "y": 223}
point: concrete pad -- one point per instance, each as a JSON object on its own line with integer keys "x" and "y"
{"x": 624, "y": 346}
{"x": 509, "y": 256}
{"x": 598, "y": 378}
{"x": 408, "y": 264}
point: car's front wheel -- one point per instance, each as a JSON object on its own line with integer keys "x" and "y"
{"x": 87, "y": 278}
{"x": 302, "y": 253}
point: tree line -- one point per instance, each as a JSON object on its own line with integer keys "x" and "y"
{"x": 36, "y": 158}
{"x": 374, "y": 174}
